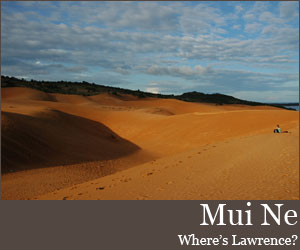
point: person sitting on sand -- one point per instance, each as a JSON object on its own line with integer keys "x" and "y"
{"x": 277, "y": 130}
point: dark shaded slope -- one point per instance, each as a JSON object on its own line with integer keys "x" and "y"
{"x": 55, "y": 138}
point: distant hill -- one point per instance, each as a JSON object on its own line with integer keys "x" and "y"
{"x": 88, "y": 89}
{"x": 214, "y": 98}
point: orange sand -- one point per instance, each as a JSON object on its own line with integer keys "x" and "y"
{"x": 121, "y": 147}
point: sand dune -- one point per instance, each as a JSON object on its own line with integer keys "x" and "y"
{"x": 71, "y": 99}
{"x": 16, "y": 93}
{"x": 52, "y": 138}
{"x": 74, "y": 139}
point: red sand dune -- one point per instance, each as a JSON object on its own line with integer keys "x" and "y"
{"x": 68, "y": 136}
{"x": 25, "y": 94}
{"x": 52, "y": 138}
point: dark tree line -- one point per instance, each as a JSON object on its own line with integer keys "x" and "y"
{"x": 87, "y": 89}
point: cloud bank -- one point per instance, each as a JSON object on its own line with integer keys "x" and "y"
{"x": 228, "y": 47}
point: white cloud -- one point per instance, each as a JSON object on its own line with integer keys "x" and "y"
{"x": 239, "y": 9}
{"x": 260, "y": 6}
{"x": 252, "y": 27}
{"x": 249, "y": 17}
{"x": 270, "y": 18}
{"x": 122, "y": 71}
{"x": 252, "y": 13}
{"x": 289, "y": 10}
{"x": 181, "y": 71}
{"x": 154, "y": 90}
{"x": 32, "y": 42}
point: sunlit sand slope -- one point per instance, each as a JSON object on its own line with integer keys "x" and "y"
{"x": 256, "y": 167}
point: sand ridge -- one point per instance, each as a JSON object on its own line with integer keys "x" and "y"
{"x": 54, "y": 138}
{"x": 50, "y": 132}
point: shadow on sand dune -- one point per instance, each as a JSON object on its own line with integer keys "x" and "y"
{"x": 53, "y": 138}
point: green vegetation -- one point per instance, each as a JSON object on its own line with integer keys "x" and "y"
{"x": 88, "y": 89}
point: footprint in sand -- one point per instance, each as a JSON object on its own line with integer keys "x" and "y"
{"x": 99, "y": 188}
{"x": 142, "y": 197}
{"x": 65, "y": 198}
{"x": 199, "y": 153}
{"x": 125, "y": 180}
{"x": 150, "y": 173}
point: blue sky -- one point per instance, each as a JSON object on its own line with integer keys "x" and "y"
{"x": 246, "y": 49}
